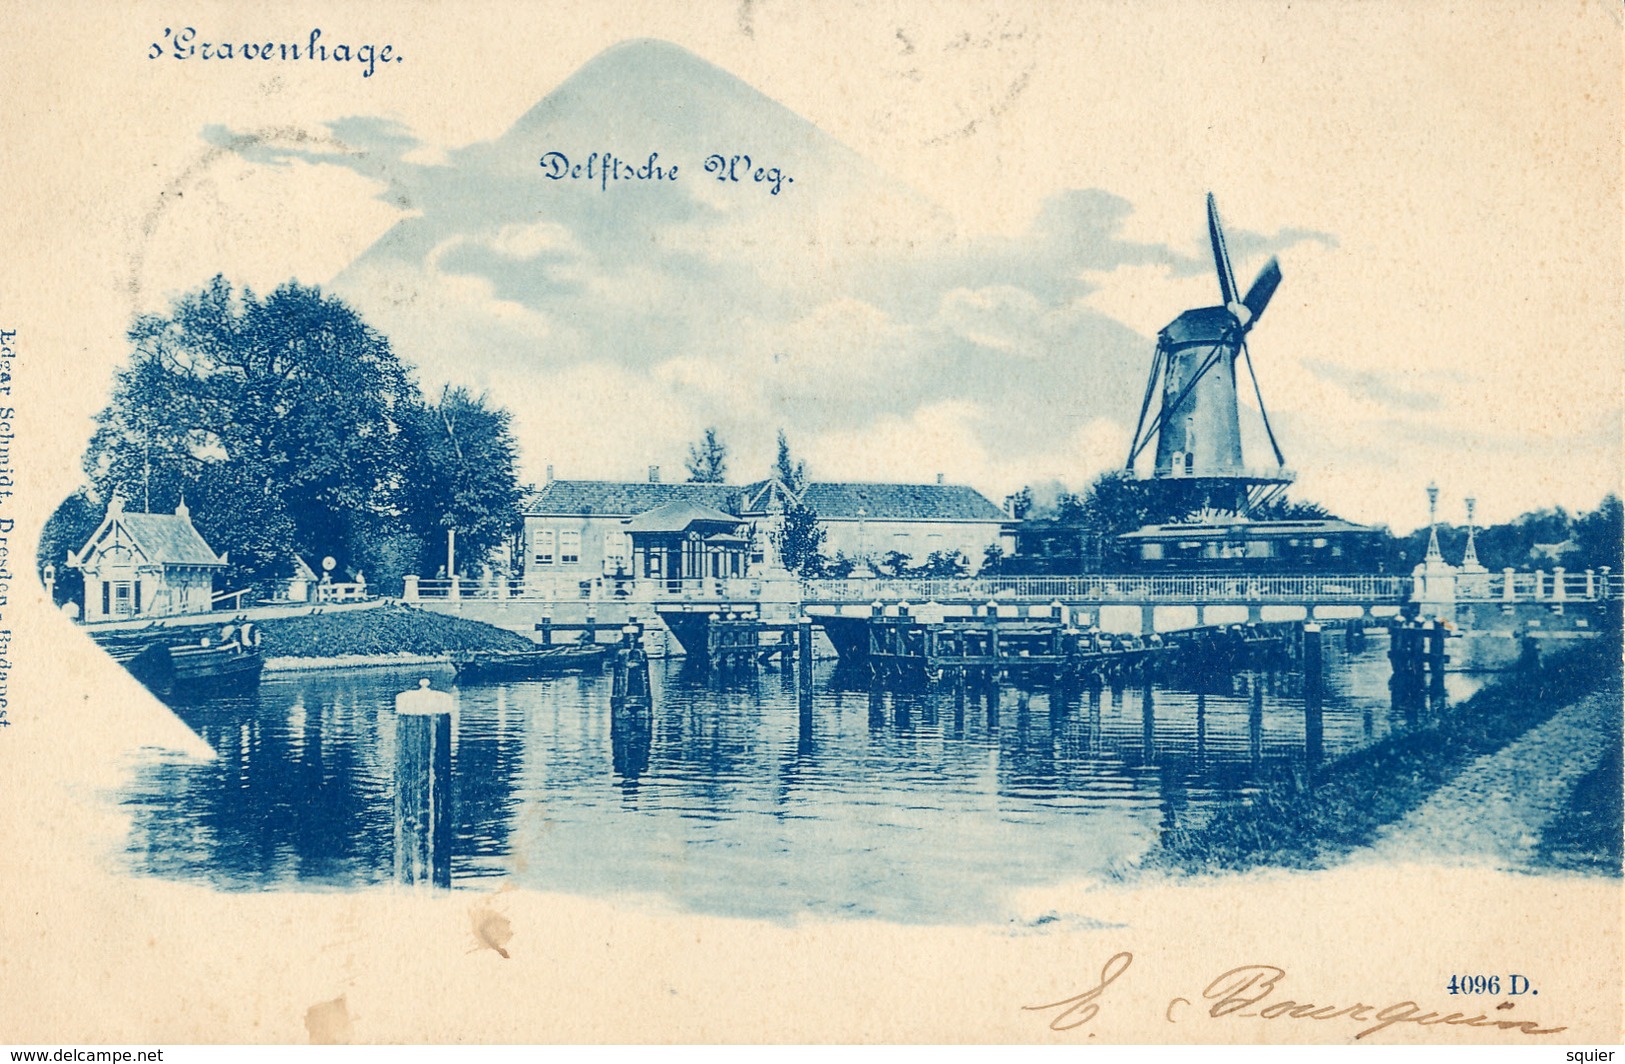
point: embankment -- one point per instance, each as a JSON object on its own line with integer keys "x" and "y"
{"x": 388, "y": 635}
{"x": 1313, "y": 820}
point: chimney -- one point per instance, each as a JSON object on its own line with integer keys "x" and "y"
{"x": 939, "y": 478}
{"x": 549, "y": 479}
{"x": 654, "y": 474}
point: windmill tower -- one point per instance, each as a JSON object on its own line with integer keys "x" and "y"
{"x": 1197, "y": 424}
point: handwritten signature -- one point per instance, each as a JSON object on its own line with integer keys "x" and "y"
{"x": 1242, "y": 993}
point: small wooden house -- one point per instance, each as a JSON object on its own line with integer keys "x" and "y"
{"x": 685, "y": 540}
{"x": 141, "y": 564}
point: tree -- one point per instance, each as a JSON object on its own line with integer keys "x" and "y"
{"x": 838, "y": 568}
{"x": 1282, "y": 508}
{"x": 792, "y": 471}
{"x": 279, "y": 418}
{"x": 460, "y": 477}
{"x": 1599, "y": 537}
{"x": 67, "y": 529}
{"x": 800, "y": 541}
{"x": 707, "y": 460}
{"x": 944, "y": 563}
{"x": 896, "y": 563}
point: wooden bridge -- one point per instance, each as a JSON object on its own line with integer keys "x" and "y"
{"x": 1115, "y": 605}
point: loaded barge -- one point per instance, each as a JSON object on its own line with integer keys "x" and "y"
{"x": 191, "y": 662}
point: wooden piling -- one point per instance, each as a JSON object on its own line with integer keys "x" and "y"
{"x": 1313, "y": 693}
{"x": 423, "y": 813}
{"x": 629, "y": 687}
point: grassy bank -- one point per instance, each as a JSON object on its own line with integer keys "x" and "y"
{"x": 390, "y": 629}
{"x": 1305, "y": 820}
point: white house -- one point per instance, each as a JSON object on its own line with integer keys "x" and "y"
{"x": 141, "y": 564}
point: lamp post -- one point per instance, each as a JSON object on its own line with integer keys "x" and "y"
{"x": 1433, "y": 553}
{"x": 1470, "y": 560}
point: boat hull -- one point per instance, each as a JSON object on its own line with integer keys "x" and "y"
{"x": 497, "y": 666}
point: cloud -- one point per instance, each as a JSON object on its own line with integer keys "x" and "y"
{"x": 999, "y": 316}
{"x": 618, "y": 322}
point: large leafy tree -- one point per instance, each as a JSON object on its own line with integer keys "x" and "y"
{"x": 1599, "y": 536}
{"x": 707, "y": 460}
{"x": 279, "y": 418}
{"x": 461, "y": 476}
{"x": 67, "y": 529}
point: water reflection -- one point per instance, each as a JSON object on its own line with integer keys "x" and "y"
{"x": 752, "y": 794}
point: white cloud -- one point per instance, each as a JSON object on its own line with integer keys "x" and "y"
{"x": 1002, "y": 317}
{"x": 529, "y": 241}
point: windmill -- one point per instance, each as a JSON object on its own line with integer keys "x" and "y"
{"x": 1197, "y": 424}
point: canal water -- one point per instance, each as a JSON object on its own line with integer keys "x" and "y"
{"x": 737, "y": 796}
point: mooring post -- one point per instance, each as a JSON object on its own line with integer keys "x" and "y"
{"x": 423, "y": 814}
{"x": 1313, "y": 691}
{"x": 546, "y": 628}
{"x": 630, "y": 684}
{"x": 1528, "y": 649}
{"x": 804, "y": 653}
{"x": 1436, "y": 633}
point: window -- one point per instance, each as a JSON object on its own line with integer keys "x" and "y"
{"x": 615, "y": 545}
{"x": 541, "y": 546}
{"x": 569, "y": 548}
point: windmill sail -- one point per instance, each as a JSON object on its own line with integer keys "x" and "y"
{"x": 1221, "y": 254}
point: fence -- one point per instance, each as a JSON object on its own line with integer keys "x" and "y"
{"x": 710, "y": 589}
{"x": 1180, "y": 589}
{"x": 1559, "y": 585}
{"x": 1506, "y": 586}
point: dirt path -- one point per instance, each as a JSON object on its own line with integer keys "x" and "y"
{"x": 1494, "y": 810}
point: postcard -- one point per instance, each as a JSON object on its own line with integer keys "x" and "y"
{"x": 755, "y": 522}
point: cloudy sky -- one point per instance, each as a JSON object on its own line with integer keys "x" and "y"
{"x": 991, "y": 217}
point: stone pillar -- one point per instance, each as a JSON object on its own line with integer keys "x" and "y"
{"x": 1559, "y": 592}
{"x": 454, "y": 589}
{"x": 1540, "y": 578}
{"x": 1591, "y": 585}
{"x": 1509, "y": 590}
{"x": 410, "y": 594}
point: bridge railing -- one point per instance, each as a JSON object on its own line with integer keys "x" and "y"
{"x": 1115, "y": 588}
{"x": 703, "y": 589}
{"x": 1559, "y": 585}
{"x": 1504, "y": 586}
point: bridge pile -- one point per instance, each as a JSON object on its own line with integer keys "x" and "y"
{"x": 1416, "y": 652}
{"x": 906, "y": 649}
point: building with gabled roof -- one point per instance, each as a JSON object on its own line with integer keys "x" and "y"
{"x": 146, "y": 564}
{"x": 581, "y": 529}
